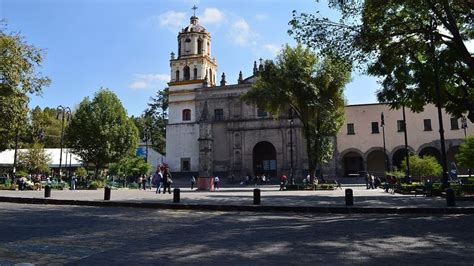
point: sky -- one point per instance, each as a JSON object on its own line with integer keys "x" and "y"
{"x": 125, "y": 45}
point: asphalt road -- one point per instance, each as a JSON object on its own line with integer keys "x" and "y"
{"x": 50, "y": 234}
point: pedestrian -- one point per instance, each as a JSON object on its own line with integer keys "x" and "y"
{"x": 283, "y": 180}
{"x": 149, "y": 181}
{"x": 216, "y": 182}
{"x": 167, "y": 181}
{"x": 144, "y": 182}
{"x": 139, "y": 182}
{"x": 372, "y": 181}
{"x": 367, "y": 180}
{"x": 193, "y": 181}
{"x": 73, "y": 181}
{"x": 157, "y": 180}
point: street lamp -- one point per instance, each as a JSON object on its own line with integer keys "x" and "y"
{"x": 382, "y": 124}
{"x": 433, "y": 25}
{"x": 464, "y": 125}
{"x": 65, "y": 114}
{"x": 290, "y": 119}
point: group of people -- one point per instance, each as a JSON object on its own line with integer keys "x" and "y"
{"x": 257, "y": 180}
{"x": 162, "y": 178}
{"x": 372, "y": 182}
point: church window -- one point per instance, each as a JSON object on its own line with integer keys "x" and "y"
{"x": 195, "y": 73}
{"x": 199, "y": 46}
{"x": 237, "y": 140}
{"x": 218, "y": 114}
{"x": 177, "y": 75}
{"x": 179, "y": 48}
{"x": 210, "y": 76}
{"x": 208, "y": 48}
{"x": 261, "y": 112}
{"x": 186, "y": 73}
{"x": 185, "y": 164}
{"x": 187, "y": 46}
{"x": 186, "y": 115}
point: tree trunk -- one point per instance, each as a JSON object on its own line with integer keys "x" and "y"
{"x": 309, "y": 151}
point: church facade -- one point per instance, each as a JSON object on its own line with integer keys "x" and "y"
{"x": 211, "y": 131}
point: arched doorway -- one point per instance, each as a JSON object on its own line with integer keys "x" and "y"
{"x": 264, "y": 159}
{"x": 376, "y": 162}
{"x": 431, "y": 151}
{"x": 398, "y": 158}
{"x": 353, "y": 163}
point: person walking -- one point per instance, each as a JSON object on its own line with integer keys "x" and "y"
{"x": 283, "y": 180}
{"x": 216, "y": 182}
{"x": 157, "y": 180}
{"x": 73, "y": 182}
{"x": 193, "y": 181}
{"x": 144, "y": 182}
{"x": 167, "y": 180}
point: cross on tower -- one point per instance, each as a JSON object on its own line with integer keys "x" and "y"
{"x": 194, "y": 9}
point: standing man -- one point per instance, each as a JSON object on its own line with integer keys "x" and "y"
{"x": 193, "y": 181}
{"x": 73, "y": 181}
{"x": 157, "y": 180}
{"x": 167, "y": 179}
{"x": 216, "y": 182}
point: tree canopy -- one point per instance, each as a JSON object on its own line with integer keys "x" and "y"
{"x": 154, "y": 120}
{"x": 35, "y": 159}
{"x": 423, "y": 167}
{"x": 465, "y": 157}
{"x": 100, "y": 131}
{"x": 404, "y": 43}
{"x": 130, "y": 166}
{"x": 312, "y": 88}
{"x": 44, "y": 127}
{"x": 19, "y": 75}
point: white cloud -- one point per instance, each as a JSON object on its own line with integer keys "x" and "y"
{"x": 272, "y": 48}
{"x": 170, "y": 19}
{"x": 212, "y": 16}
{"x": 138, "y": 85}
{"x": 147, "y": 81}
{"x": 261, "y": 17}
{"x": 242, "y": 34}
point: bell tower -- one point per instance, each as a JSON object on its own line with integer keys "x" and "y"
{"x": 193, "y": 64}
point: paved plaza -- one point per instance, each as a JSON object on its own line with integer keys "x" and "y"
{"x": 77, "y": 235}
{"x": 270, "y": 196}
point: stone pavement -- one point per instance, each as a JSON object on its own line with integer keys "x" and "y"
{"x": 270, "y": 196}
{"x": 78, "y": 235}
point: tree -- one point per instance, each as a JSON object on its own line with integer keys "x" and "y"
{"x": 100, "y": 131}
{"x": 405, "y": 43}
{"x": 45, "y": 127}
{"x": 423, "y": 167}
{"x": 465, "y": 157}
{"x": 154, "y": 120}
{"x": 18, "y": 76}
{"x": 130, "y": 166}
{"x": 312, "y": 89}
{"x": 35, "y": 159}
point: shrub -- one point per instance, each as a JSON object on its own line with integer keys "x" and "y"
{"x": 93, "y": 185}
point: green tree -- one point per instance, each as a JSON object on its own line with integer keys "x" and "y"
{"x": 392, "y": 40}
{"x": 81, "y": 172}
{"x": 35, "y": 160}
{"x": 423, "y": 167}
{"x": 465, "y": 156}
{"x": 18, "y": 76}
{"x": 154, "y": 120}
{"x": 45, "y": 127}
{"x": 312, "y": 89}
{"x": 100, "y": 131}
{"x": 130, "y": 166}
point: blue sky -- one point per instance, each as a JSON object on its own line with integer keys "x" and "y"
{"x": 125, "y": 45}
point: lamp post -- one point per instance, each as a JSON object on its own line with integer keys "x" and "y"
{"x": 464, "y": 125}
{"x": 407, "y": 154}
{"x": 382, "y": 124}
{"x": 64, "y": 113}
{"x": 290, "y": 119}
{"x": 434, "y": 63}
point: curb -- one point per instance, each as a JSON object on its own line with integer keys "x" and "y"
{"x": 246, "y": 208}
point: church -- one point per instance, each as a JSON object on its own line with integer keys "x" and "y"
{"x": 211, "y": 131}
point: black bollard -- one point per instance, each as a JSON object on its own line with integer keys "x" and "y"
{"x": 349, "y": 197}
{"x": 450, "y": 198}
{"x": 176, "y": 192}
{"x": 256, "y": 196}
{"x": 47, "y": 191}
{"x": 107, "y": 191}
